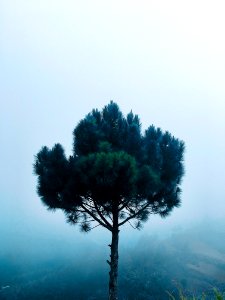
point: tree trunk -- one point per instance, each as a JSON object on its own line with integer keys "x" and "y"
{"x": 113, "y": 274}
{"x": 114, "y": 257}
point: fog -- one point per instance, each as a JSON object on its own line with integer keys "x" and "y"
{"x": 59, "y": 60}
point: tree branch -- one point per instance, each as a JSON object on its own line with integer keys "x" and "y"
{"x": 131, "y": 225}
{"x": 135, "y": 214}
{"x": 124, "y": 205}
{"x": 94, "y": 226}
{"x": 94, "y": 217}
{"x": 101, "y": 215}
{"x": 93, "y": 206}
{"x": 90, "y": 206}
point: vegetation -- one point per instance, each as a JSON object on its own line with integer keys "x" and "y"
{"x": 192, "y": 259}
{"x": 217, "y": 296}
{"x": 115, "y": 175}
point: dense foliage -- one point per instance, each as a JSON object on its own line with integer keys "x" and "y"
{"x": 113, "y": 167}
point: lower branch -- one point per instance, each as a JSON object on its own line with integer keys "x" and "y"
{"x": 95, "y": 218}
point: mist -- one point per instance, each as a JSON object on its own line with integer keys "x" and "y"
{"x": 162, "y": 60}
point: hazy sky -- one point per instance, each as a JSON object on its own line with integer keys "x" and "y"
{"x": 165, "y": 60}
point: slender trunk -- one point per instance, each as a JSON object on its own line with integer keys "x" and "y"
{"x": 113, "y": 274}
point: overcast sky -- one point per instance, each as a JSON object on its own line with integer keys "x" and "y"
{"x": 165, "y": 60}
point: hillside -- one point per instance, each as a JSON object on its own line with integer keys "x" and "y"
{"x": 193, "y": 259}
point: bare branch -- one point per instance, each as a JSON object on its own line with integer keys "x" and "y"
{"x": 124, "y": 205}
{"x": 101, "y": 216}
{"x": 95, "y": 209}
{"x": 96, "y": 218}
{"x": 95, "y": 226}
{"x": 90, "y": 206}
{"x": 131, "y": 225}
{"x": 135, "y": 214}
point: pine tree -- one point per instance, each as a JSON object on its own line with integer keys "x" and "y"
{"x": 115, "y": 175}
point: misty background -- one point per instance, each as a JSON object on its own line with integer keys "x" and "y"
{"x": 60, "y": 59}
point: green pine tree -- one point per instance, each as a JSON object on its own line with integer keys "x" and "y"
{"x": 115, "y": 175}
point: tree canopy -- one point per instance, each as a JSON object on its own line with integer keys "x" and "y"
{"x": 114, "y": 166}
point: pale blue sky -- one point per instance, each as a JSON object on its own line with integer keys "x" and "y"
{"x": 162, "y": 59}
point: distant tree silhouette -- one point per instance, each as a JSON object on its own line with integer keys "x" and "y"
{"x": 115, "y": 175}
